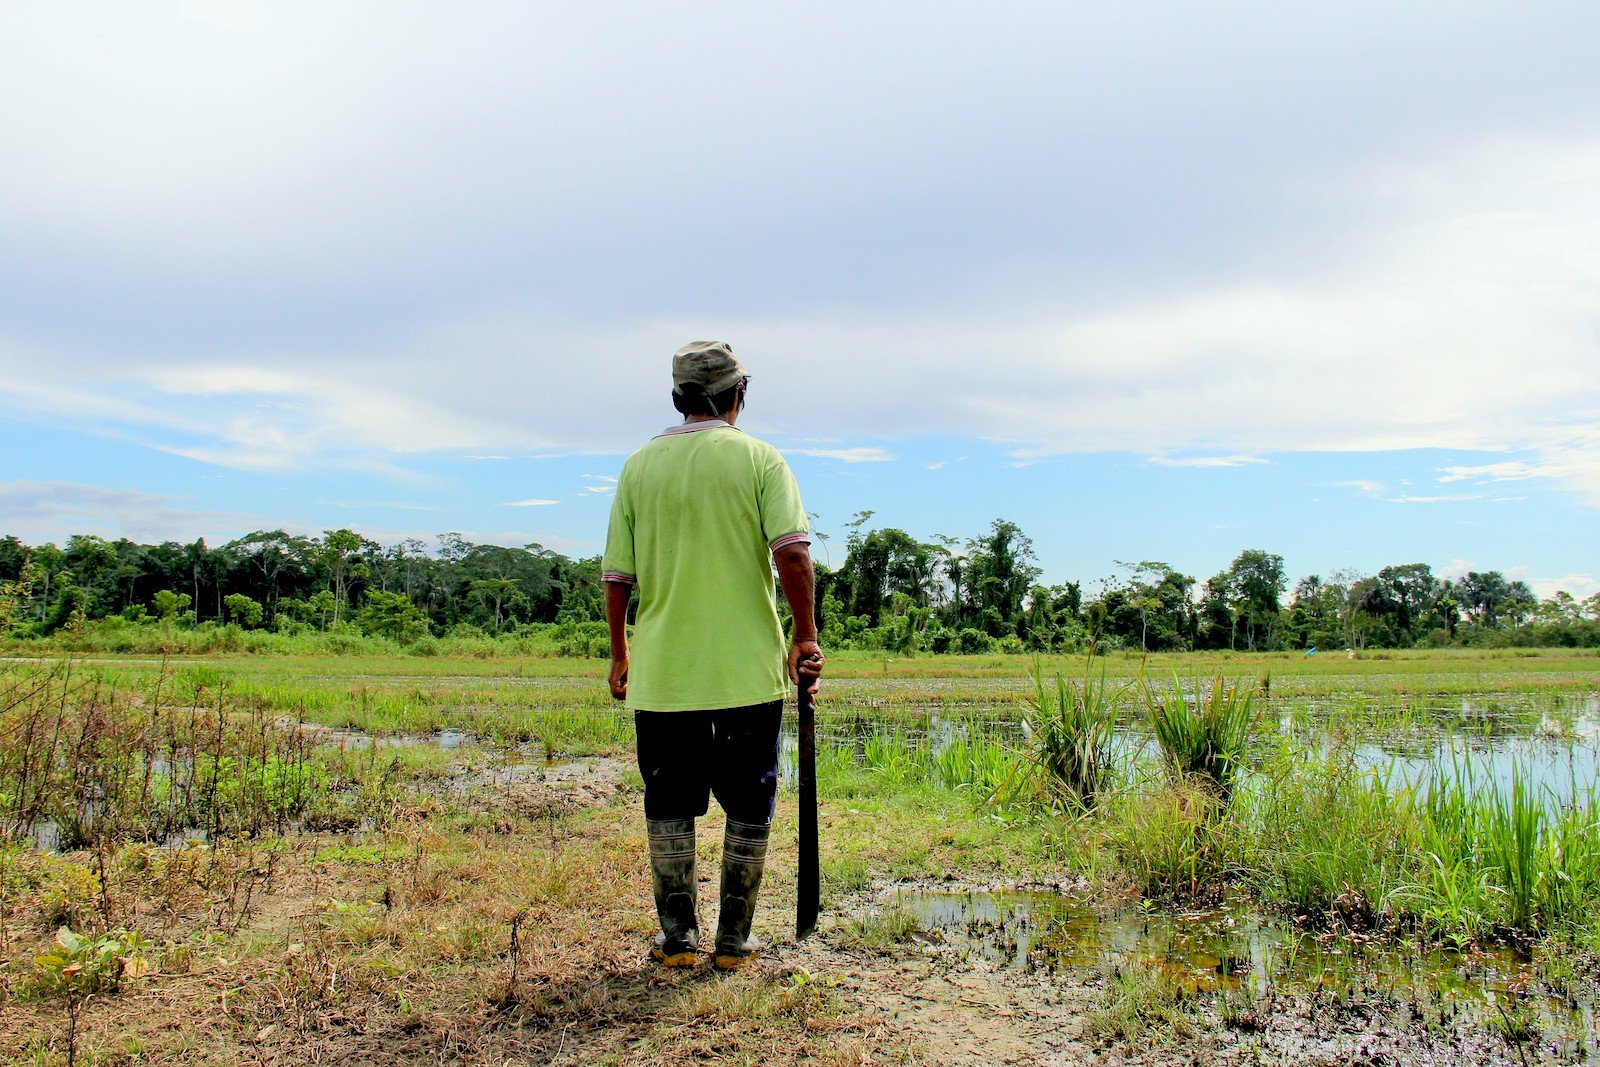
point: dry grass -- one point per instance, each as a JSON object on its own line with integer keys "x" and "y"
{"x": 396, "y": 948}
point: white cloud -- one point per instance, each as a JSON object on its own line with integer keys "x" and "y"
{"x": 1446, "y": 300}
{"x": 40, "y": 512}
{"x": 1362, "y": 485}
{"x": 940, "y": 465}
{"x": 1581, "y": 586}
{"x": 37, "y": 512}
{"x": 1443, "y": 498}
{"x": 1510, "y": 471}
{"x": 1203, "y": 462}
{"x": 529, "y": 503}
{"x": 849, "y": 455}
{"x": 1465, "y": 323}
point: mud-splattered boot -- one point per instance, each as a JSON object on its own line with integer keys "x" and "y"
{"x": 672, "y": 872}
{"x": 744, "y": 857}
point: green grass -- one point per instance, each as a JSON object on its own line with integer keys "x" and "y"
{"x": 1325, "y": 839}
{"x": 930, "y": 752}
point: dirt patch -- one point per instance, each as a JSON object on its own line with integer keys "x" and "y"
{"x": 543, "y": 790}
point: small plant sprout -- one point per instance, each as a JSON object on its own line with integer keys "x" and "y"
{"x": 81, "y": 966}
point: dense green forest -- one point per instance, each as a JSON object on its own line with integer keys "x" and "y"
{"x": 890, "y": 591}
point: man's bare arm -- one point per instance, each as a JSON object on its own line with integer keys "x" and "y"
{"x": 797, "y": 579}
{"x": 617, "y": 594}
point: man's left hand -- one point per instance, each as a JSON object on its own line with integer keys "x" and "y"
{"x": 619, "y": 678}
{"x": 811, "y": 654}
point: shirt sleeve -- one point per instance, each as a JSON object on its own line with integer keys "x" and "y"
{"x": 783, "y": 517}
{"x": 618, "y": 563}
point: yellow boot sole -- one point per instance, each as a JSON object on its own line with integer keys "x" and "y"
{"x": 732, "y": 963}
{"x": 688, "y": 958}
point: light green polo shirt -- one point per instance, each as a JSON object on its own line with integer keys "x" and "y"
{"x": 698, "y": 512}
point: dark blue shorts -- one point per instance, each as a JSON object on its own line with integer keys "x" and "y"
{"x": 686, "y": 756}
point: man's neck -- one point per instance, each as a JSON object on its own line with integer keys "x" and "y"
{"x": 728, "y": 418}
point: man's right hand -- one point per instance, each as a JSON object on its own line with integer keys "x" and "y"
{"x": 619, "y": 678}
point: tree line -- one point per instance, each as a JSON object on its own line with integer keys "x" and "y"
{"x": 293, "y": 583}
{"x": 891, "y": 591}
{"x": 898, "y": 593}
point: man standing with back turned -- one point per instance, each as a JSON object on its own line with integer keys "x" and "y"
{"x": 702, "y": 513}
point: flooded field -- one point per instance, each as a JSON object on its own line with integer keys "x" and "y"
{"x": 1406, "y": 854}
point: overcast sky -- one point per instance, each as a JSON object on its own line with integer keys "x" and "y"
{"x": 1153, "y": 280}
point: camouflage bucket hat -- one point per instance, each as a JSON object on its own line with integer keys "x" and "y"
{"x": 708, "y": 364}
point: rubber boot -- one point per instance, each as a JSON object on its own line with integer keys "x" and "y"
{"x": 744, "y": 857}
{"x": 672, "y": 873}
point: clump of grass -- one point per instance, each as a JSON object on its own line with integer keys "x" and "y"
{"x": 1204, "y": 735}
{"x": 981, "y": 764}
{"x": 1141, "y": 999}
{"x": 882, "y": 931}
{"x": 889, "y": 754}
{"x": 1169, "y": 839}
{"x": 1500, "y": 855}
{"x": 1328, "y": 838}
{"x": 1070, "y": 726}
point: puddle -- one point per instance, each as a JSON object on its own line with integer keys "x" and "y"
{"x": 1238, "y": 950}
{"x": 48, "y": 835}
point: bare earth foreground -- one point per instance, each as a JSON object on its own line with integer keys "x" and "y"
{"x": 517, "y": 936}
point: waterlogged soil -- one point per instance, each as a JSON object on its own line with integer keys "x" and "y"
{"x": 962, "y": 988}
{"x": 347, "y": 738}
{"x": 948, "y": 972}
{"x": 545, "y": 789}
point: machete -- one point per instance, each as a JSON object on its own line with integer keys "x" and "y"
{"x": 809, "y": 892}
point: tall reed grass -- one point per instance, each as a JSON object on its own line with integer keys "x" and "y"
{"x": 1503, "y": 854}
{"x": 1324, "y": 837}
{"x": 1070, "y": 726}
{"x": 1204, "y": 735}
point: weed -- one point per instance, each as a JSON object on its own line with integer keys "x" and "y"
{"x": 1169, "y": 839}
{"x": 881, "y": 931}
{"x": 1138, "y": 998}
{"x": 1329, "y": 840}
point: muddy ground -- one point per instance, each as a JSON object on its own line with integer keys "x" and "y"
{"x": 505, "y": 920}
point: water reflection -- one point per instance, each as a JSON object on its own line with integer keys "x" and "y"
{"x": 1551, "y": 739}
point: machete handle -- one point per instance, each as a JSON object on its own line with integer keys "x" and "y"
{"x": 808, "y": 896}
